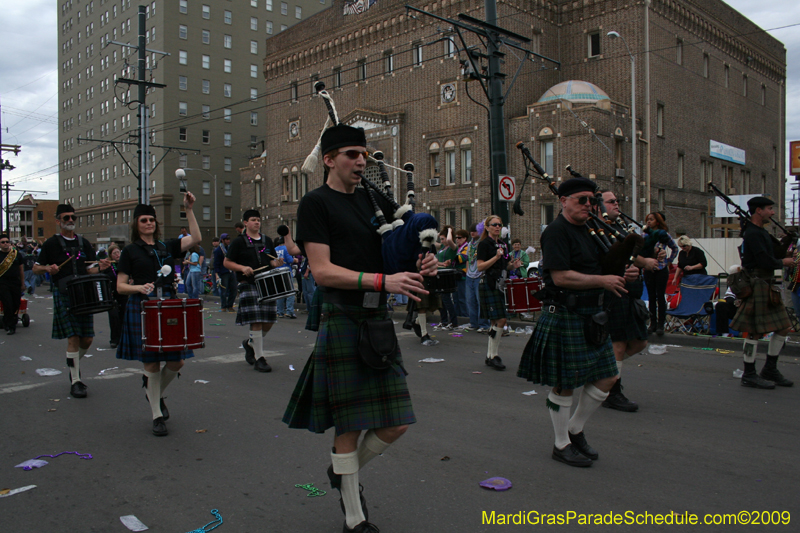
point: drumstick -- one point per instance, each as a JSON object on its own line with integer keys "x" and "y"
{"x": 262, "y": 268}
{"x": 64, "y": 263}
{"x": 98, "y": 260}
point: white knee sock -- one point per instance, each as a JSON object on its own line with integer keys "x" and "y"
{"x": 776, "y": 344}
{"x": 590, "y": 400}
{"x": 371, "y": 447}
{"x": 559, "y": 414}
{"x": 154, "y": 392}
{"x": 346, "y": 465}
{"x": 167, "y": 376}
{"x": 619, "y": 367}
{"x": 750, "y": 349}
{"x": 74, "y": 365}
{"x": 423, "y": 325}
{"x": 494, "y": 341}
{"x": 257, "y": 344}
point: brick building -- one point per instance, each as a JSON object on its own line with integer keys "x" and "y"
{"x": 33, "y": 219}
{"x": 708, "y": 83}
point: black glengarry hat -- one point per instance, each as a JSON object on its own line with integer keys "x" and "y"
{"x": 64, "y": 208}
{"x": 341, "y": 136}
{"x": 144, "y": 210}
{"x": 249, "y": 214}
{"x": 576, "y": 185}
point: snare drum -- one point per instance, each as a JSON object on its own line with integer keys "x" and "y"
{"x": 172, "y": 325}
{"x": 519, "y": 295}
{"x": 274, "y": 284}
{"x": 89, "y": 295}
{"x": 445, "y": 281}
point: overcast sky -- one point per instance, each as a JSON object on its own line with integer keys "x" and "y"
{"x": 29, "y": 40}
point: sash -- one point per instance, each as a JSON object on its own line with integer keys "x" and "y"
{"x": 8, "y": 261}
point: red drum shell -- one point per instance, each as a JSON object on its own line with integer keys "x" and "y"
{"x": 519, "y": 295}
{"x": 172, "y": 325}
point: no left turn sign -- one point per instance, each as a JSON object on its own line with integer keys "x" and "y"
{"x": 508, "y": 189}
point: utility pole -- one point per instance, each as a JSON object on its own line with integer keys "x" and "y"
{"x": 491, "y": 82}
{"x": 5, "y": 165}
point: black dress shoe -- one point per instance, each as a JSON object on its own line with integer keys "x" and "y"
{"x": 114, "y": 344}
{"x": 336, "y": 483}
{"x": 774, "y": 375}
{"x": 11, "y": 330}
{"x": 570, "y": 456}
{"x": 496, "y": 363}
{"x": 363, "y": 527}
{"x": 755, "y": 381}
{"x": 579, "y": 441}
{"x": 262, "y": 366}
{"x": 617, "y": 400}
{"x": 249, "y": 352}
{"x": 159, "y": 427}
{"x": 78, "y": 390}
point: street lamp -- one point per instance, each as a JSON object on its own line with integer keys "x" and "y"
{"x": 613, "y": 35}
{"x": 181, "y": 174}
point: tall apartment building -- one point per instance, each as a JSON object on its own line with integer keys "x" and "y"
{"x": 710, "y": 93}
{"x": 208, "y": 117}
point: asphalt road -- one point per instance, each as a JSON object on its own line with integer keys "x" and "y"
{"x": 700, "y": 443}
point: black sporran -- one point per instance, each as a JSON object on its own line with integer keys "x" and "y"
{"x": 640, "y": 311}
{"x": 377, "y": 343}
{"x": 594, "y": 328}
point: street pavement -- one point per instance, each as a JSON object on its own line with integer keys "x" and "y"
{"x": 700, "y": 442}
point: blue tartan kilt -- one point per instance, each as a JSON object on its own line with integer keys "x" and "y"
{"x": 130, "y": 344}
{"x": 314, "y": 310}
{"x": 65, "y": 324}
{"x": 252, "y": 312}
{"x": 493, "y": 302}
{"x": 337, "y": 389}
{"x": 558, "y": 354}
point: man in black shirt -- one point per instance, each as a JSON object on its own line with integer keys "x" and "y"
{"x": 248, "y": 252}
{"x": 567, "y": 349}
{"x": 763, "y": 311}
{"x": 12, "y": 282}
{"x": 65, "y": 256}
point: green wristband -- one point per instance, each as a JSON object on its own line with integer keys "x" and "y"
{"x": 360, "y": 275}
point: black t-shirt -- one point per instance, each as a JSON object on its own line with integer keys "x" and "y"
{"x": 53, "y": 253}
{"x": 345, "y": 222}
{"x": 487, "y": 249}
{"x": 566, "y": 246}
{"x": 251, "y": 252}
{"x": 11, "y": 276}
{"x": 757, "y": 249}
{"x": 141, "y": 262}
{"x": 694, "y": 257}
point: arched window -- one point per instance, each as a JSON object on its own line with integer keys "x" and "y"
{"x": 450, "y": 162}
{"x": 466, "y": 160}
{"x": 433, "y": 150}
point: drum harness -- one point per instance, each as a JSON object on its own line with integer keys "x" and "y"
{"x": 158, "y": 251}
{"x": 62, "y": 283}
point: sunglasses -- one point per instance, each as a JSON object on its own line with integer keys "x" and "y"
{"x": 4, "y": 242}
{"x": 496, "y": 225}
{"x": 583, "y": 199}
{"x": 147, "y": 220}
{"x": 353, "y": 154}
{"x": 66, "y": 218}
{"x": 614, "y": 201}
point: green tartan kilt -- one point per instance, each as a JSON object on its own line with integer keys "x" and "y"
{"x": 757, "y": 315}
{"x": 558, "y": 355}
{"x": 622, "y": 324}
{"x": 314, "y": 310}
{"x": 493, "y": 302}
{"x": 65, "y": 324}
{"x": 337, "y": 389}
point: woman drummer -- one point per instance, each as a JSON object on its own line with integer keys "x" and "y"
{"x": 139, "y": 275}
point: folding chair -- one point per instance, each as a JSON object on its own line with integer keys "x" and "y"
{"x": 690, "y": 317}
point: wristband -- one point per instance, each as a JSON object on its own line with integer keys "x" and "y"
{"x": 376, "y": 282}
{"x": 383, "y": 283}
{"x": 360, "y": 275}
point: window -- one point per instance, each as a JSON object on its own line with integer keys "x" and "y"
{"x": 295, "y": 190}
{"x": 206, "y": 12}
{"x": 269, "y": 27}
{"x": 253, "y": 94}
{"x": 227, "y": 41}
{"x": 227, "y": 164}
{"x": 705, "y": 65}
{"x": 284, "y": 27}
{"x": 253, "y": 118}
{"x": 268, "y": 3}
{"x": 206, "y": 136}
{"x": 182, "y": 134}
{"x": 227, "y": 90}
{"x": 253, "y": 3}
{"x": 183, "y": 32}
{"x": 466, "y": 162}
{"x": 226, "y": 66}
{"x": 226, "y": 113}
{"x": 449, "y": 47}
{"x": 744, "y": 85}
{"x": 362, "y": 70}
{"x": 206, "y": 37}
{"x": 183, "y": 109}
{"x": 254, "y": 71}
{"x": 206, "y": 87}
{"x": 547, "y": 156}
{"x": 547, "y": 214}
{"x": 254, "y": 23}
{"x": 433, "y": 151}
{"x": 706, "y": 174}
{"x": 228, "y": 212}
{"x": 183, "y": 57}
{"x": 388, "y": 63}
{"x": 660, "y": 120}
{"x": 298, "y": 12}
{"x": 206, "y": 212}
{"x": 337, "y": 78}
{"x": 183, "y": 83}
{"x": 227, "y": 17}
{"x": 183, "y": 7}
{"x": 679, "y": 51}
{"x": 763, "y": 94}
{"x": 450, "y": 165}
{"x": 284, "y": 8}
{"x": 680, "y": 171}
{"x": 206, "y": 187}
{"x": 206, "y": 112}
{"x": 417, "y": 54}
{"x": 662, "y": 195}
{"x": 593, "y": 44}
{"x": 227, "y": 188}
{"x": 253, "y": 47}
{"x": 226, "y": 139}
{"x": 727, "y": 76}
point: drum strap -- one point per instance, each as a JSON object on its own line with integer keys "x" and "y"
{"x": 250, "y": 243}
{"x": 74, "y": 262}
{"x": 158, "y": 253}
{"x": 8, "y": 261}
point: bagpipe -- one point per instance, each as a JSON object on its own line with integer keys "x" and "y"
{"x": 409, "y": 233}
{"x": 620, "y": 247}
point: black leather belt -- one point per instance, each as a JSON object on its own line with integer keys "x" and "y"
{"x": 571, "y": 300}
{"x": 358, "y": 298}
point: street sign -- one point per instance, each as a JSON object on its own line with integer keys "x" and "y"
{"x": 794, "y": 158}
{"x": 508, "y": 189}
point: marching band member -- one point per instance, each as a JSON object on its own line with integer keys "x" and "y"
{"x": 12, "y": 282}
{"x": 568, "y": 350}
{"x": 763, "y": 311}
{"x": 65, "y": 256}
{"x": 337, "y": 388}
{"x": 138, "y": 276}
